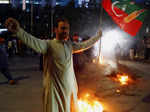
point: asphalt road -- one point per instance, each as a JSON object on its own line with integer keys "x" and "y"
{"x": 26, "y": 95}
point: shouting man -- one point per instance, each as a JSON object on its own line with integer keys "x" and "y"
{"x": 59, "y": 82}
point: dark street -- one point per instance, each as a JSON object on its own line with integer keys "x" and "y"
{"x": 111, "y": 39}
{"x": 26, "y": 95}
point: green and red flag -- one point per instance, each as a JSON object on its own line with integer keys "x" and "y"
{"x": 127, "y": 15}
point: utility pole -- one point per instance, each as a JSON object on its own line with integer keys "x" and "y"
{"x": 100, "y": 43}
{"x": 51, "y": 4}
{"x": 52, "y": 13}
{"x": 31, "y": 27}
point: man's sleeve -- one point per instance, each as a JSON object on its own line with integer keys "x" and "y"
{"x": 79, "y": 47}
{"x": 36, "y": 44}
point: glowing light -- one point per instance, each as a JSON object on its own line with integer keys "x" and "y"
{"x": 27, "y": 1}
{"x": 118, "y": 91}
{"x": 107, "y": 45}
{"x": 4, "y": 29}
{"x": 87, "y": 95}
{"x": 94, "y": 60}
{"x": 109, "y": 41}
{"x": 88, "y": 104}
{"x": 123, "y": 79}
{"x": 4, "y": 1}
{"x": 112, "y": 42}
{"x": 101, "y": 60}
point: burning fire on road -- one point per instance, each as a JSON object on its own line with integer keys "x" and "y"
{"x": 88, "y": 104}
{"x": 123, "y": 78}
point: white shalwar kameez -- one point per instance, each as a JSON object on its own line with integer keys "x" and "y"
{"x": 59, "y": 82}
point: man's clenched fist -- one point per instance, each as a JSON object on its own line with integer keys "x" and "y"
{"x": 12, "y": 25}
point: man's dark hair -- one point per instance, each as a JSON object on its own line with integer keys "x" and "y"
{"x": 59, "y": 20}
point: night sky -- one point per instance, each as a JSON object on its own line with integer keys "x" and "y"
{"x": 65, "y": 2}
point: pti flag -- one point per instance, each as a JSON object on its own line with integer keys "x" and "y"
{"x": 126, "y": 14}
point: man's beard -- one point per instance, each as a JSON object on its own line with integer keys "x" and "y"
{"x": 63, "y": 36}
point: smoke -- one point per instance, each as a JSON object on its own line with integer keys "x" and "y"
{"x": 112, "y": 45}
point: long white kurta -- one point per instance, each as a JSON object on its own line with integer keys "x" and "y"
{"x": 60, "y": 86}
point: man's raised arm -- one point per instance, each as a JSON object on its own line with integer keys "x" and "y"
{"x": 38, "y": 45}
{"x": 79, "y": 47}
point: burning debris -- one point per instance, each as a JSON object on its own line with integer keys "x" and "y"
{"x": 123, "y": 78}
{"x": 127, "y": 83}
{"x": 89, "y": 104}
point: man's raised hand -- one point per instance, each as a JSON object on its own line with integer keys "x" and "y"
{"x": 99, "y": 33}
{"x": 12, "y": 25}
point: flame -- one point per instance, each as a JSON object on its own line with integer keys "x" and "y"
{"x": 94, "y": 60}
{"x": 101, "y": 59}
{"x": 123, "y": 79}
{"x": 86, "y": 105}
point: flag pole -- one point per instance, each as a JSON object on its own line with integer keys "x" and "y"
{"x": 100, "y": 41}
